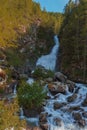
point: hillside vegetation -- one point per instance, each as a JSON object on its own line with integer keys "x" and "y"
{"x": 73, "y": 39}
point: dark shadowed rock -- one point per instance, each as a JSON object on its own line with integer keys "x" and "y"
{"x": 84, "y": 103}
{"x": 43, "y": 117}
{"x": 60, "y": 77}
{"x": 58, "y": 121}
{"x": 44, "y": 126}
{"x": 77, "y": 116}
{"x": 57, "y": 105}
{"x": 72, "y": 98}
{"x": 84, "y": 114}
{"x": 71, "y": 85}
{"x": 82, "y": 122}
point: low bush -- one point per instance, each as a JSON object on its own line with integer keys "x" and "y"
{"x": 30, "y": 96}
{"x": 41, "y": 73}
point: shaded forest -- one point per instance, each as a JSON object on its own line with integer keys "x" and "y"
{"x": 73, "y": 39}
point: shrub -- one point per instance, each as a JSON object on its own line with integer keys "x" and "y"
{"x": 30, "y": 96}
{"x": 41, "y": 73}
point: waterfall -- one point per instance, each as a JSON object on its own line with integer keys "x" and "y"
{"x": 49, "y": 61}
{"x": 30, "y": 81}
{"x": 15, "y": 91}
{"x": 21, "y": 113}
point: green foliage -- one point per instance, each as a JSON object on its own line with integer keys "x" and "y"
{"x": 14, "y": 58}
{"x": 30, "y": 96}
{"x": 73, "y": 39}
{"x": 41, "y": 73}
{"x": 8, "y": 115}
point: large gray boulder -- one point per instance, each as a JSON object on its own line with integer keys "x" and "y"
{"x": 60, "y": 77}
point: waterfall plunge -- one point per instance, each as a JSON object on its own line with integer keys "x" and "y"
{"x": 49, "y": 61}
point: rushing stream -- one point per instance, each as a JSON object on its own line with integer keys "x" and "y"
{"x": 62, "y": 118}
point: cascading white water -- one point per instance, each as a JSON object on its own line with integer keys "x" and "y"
{"x": 21, "y": 113}
{"x": 49, "y": 61}
{"x": 30, "y": 81}
{"x": 65, "y": 119}
{"x": 15, "y": 91}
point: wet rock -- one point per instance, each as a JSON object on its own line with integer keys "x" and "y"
{"x": 57, "y": 105}
{"x": 84, "y": 114}
{"x": 71, "y": 85}
{"x": 84, "y": 103}
{"x": 75, "y": 108}
{"x": 43, "y": 121}
{"x": 77, "y": 89}
{"x": 57, "y": 87}
{"x": 72, "y": 98}
{"x": 60, "y": 77}
{"x": 82, "y": 122}
{"x": 44, "y": 126}
{"x": 43, "y": 117}
{"x": 77, "y": 116}
{"x": 58, "y": 121}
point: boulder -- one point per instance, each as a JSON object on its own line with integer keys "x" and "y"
{"x": 84, "y": 114}
{"x": 57, "y": 105}
{"x": 72, "y": 98}
{"x": 44, "y": 126}
{"x": 43, "y": 121}
{"x": 77, "y": 116}
{"x": 43, "y": 117}
{"x": 60, "y": 77}
{"x": 84, "y": 103}
{"x": 71, "y": 85}
{"x": 57, "y": 87}
{"x": 58, "y": 121}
